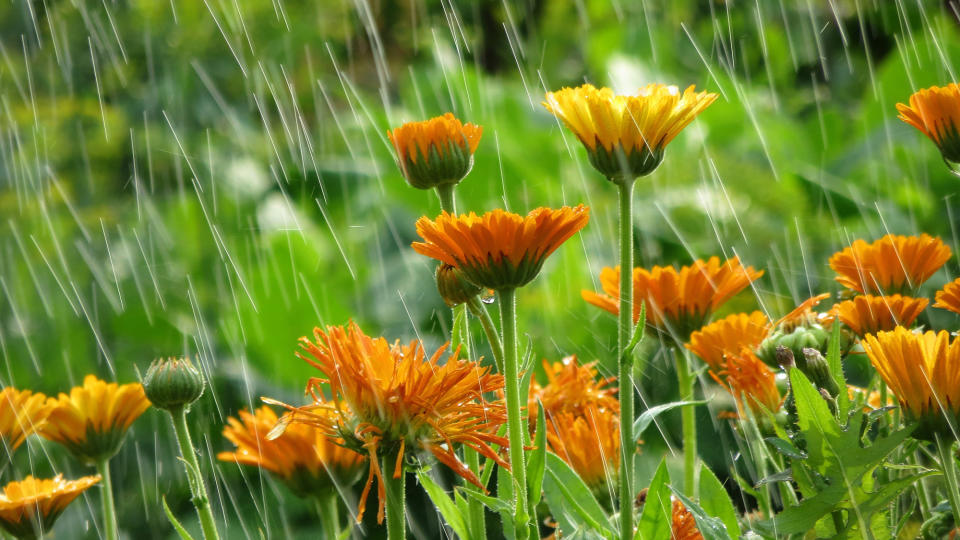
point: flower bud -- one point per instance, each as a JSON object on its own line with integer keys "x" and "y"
{"x": 453, "y": 287}
{"x": 818, "y": 370}
{"x": 173, "y": 383}
{"x": 435, "y": 152}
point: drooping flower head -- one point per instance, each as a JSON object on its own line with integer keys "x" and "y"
{"x": 750, "y": 381}
{"x": 29, "y": 508}
{"x": 949, "y": 297}
{"x": 625, "y": 136}
{"x": 21, "y": 413}
{"x": 683, "y": 525}
{"x": 303, "y": 456}
{"x": 677, "y": 301}
{"x": 387, "y": 398}
{"x": 572, "y": 388}
{"x": 923, "y": 371}
{"x": 499, "y": 250}
{"x": 869, "y": 314}
{"x": 588, "y": 442}
{"x": 93, "y": 419}
{"x": 436, "y": 151}
{"x": 892, "y": 264}
{"x": 729, "y": 335}
{"x": 935, "y": 111}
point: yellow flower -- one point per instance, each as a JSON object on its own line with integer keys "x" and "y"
{"x": 625, "y": 136}
{"x": 92, "y": 420}
{"x": 677, "y": 301}
{"x": 386, "y": 398}
{"x": 436, "y": 151}
{"x": 571, "y": 388}
{"x": 589, "y": 443}
{"x": 935, "y": 111}
{"x": 499, "y": 250}
{"x": 21, "y": 413}
{"x": 923, "y": 371}
{"x": 949, "y": 297}
{"x": 683, "y": 525}
{"x": 308, "y": 461}
{"x": 751, "y": 382}
{"x": 892, "y": 264}
{"x": 869, "y": 314}
{"x": 729, "y": 335}
{"x": 29, "y": 508}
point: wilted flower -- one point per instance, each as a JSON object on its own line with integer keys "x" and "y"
{"x": 29, "y": 508}
{"x": 892, "y": 264}
{"x": 436, "y": 151}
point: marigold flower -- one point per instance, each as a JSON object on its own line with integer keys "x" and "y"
{"x": 572, "y": 388}
{"x": 387, "y": 398}
{"x": 923, "y": 371}
{"x": 869, "y": 314}
{"x": 29, "y": 508}
{"x": 625, "y": 136}
{"x": 21, "y": 413}
{"x": 93, "y": 419}
{"x": 683, "y": 525}
{"x": 499, "y": 250}
{"x": 892, "y": 264}
{"x": 589, "y": 443}
{"x": 436, "y": 151}
{"x": 677, "y": 302}
{"x": 304, "y": 457}
{"x": 751, "y": 382}
{"x": 729, "y": 335}
{"x": 949, "y": 297}
{"x": 935, "y": 111}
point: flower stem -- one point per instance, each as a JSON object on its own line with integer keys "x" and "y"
{"x": 445, "y": 194}
{"x": 480, "y": 312}
{"x": 948, "y": 464}
{"x": 396, "y": 497}
{"x": 194, "y": 477}
{"x": 328, "y": 510}
{"x": 515, "y": 424}
{"x": 106, "y": 500}
{"x": 685, "y": 383}
{"x": 624, "y": 365}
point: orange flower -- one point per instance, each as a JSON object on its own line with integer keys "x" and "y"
{"x": 308, "y": 461}
{"x": 750, "y": 381}
{"x": 499, "y": 250}
{"x": 729, "y": 335}
{"x": 21, "y": 413}
{"x": 935, "y": 111}
{"x": 436, "y": 151}
{"x": 677, "y": 302}
{"x": 571, "y": 388}
{"x": 892, "y": 264}
{"x": 803, "y": 314}
{"x": 870, "y": 314}
{"x": 625, "y": 136}
{"x": 923, "y": 371}
{"x": 389, "y": 397}
{"x": 589, "y": 443}
{"x": 29, "y": 508}
{"x": 92, "y": 421}
{"x": 949, "y": 297}
{"x": 683, "y": 524}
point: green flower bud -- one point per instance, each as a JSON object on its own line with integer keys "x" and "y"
{"x": 173, "y": 383}
{"x": 453, "y": 287}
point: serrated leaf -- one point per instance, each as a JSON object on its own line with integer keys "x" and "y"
{"x": 655, "y": 520}
{"x": 716, "y": 502}
{"x": 836, "y": 371}
{"x": 445, "y": 505}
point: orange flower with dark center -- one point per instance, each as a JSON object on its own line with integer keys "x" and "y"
{"x": 589, "y": 443}
{"x": 436, "y": 151}
{"x": 949, "y": 297}
{"x": 571, "y": 388}
{"x": 499, "y": 250}
{"x": 304, "y": 457}
{"x": 729, "y": 335}
{"x": 869, "y": 314}
{"x": 21, "y": 413}
{"x": 935, "y": 111}
{"x": 683, "y": 525}
{"x": 751, "y": 382}
{"x": 677, "y": 301}
{"x": 29, "y": 508}
{"x": 386, "y": 398}
{"x": 892, "y": 264}
{"x": 923, "y": 371}
{"x": 93, "y": 419}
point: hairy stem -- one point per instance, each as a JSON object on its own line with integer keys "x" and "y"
{"x": 396, "y": 497}
{"x": 689, "y": 419}
{"x": 195, "y": 478}
{"x": 515, "y": 424}
{"x": 624, "y": 365}
{"x": 106, "y": 500}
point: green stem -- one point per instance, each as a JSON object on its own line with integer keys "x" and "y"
{"x": 445, "y": 194}
{"x": 478, "y": 524}
{"x": 396, "y": 495}
{"x": 685, "y": 382}
{"x": 106, "y": 500}
{"x": 496, "y": 347}
{"x": 328, "y": 510}
{"x": 624, "y": 365}
{"x": 195, "y": 478}
{"x": 948, "y": 464}
{"x": 515, "y": 424}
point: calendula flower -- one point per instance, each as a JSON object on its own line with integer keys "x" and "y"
{"x": 93, "y": 419}
{"x": 869, "y": 314}
{"x": 949, "y": 297}
{"x": 303, "y": 456}
{"x": 892, "y": 264}
{"x": 751, "y": 382}
{"x": 572, "y": 388}
{"x": 387, "y": 398}
{"x": 935, "y": 111}
{"x": 588, "y": 442}
{"x": 677, "y": 301}
{"x": 29, "y": 508}
{"x": 499, "y": 250}
{"x": 21, "y": 413}
{"x": 625, "y": 136}
{"x": 435, "y": 152}
{"x": 728, "y": 336}
{"x": 683, "y": 525}
{"x": 923, "y": 371}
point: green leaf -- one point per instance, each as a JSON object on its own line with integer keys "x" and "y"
{"x": 504, "y": 505}
{"x": 785, "y": 447}
{"x": 571, "y": 501}
{"x": 647, "y": 417}
{"x": 536, "y": 460}
{"x": 447, "y": 507}
{"x": 710, "y": 527}
{"x": 716, "y": 502}
{"x": 639, "y": 332}
{"x": 184, "y": 535}
{"x": 493, "y": 503}
{"x": 836, "y": 371}
{"x": 655, "y": 520}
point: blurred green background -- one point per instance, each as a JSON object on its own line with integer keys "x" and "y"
{"x": 214, "y": 179}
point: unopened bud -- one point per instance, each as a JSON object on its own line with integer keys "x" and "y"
{"x": 818, "y": 370}
{"x": 453, "y": 287}
{"x": 785, "y": 358}
{"x": 173, "y": 383}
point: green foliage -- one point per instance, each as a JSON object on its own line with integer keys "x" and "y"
{"x": 571, "y": 502}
